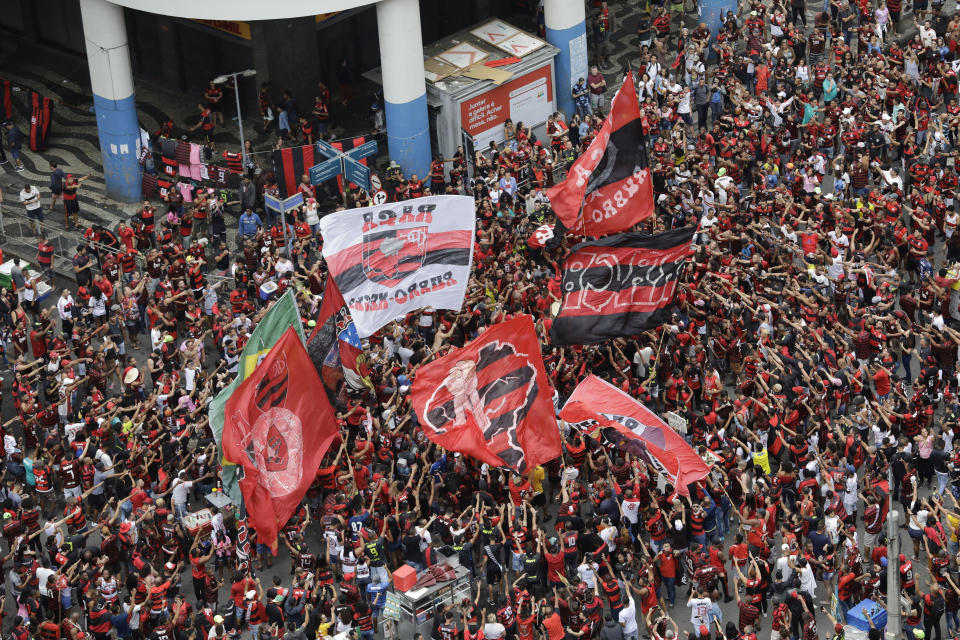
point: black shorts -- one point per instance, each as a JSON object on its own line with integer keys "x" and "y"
{"x": 494, "y": 575}
{"x": 71, "y": 206}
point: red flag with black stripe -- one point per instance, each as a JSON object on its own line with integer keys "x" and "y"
{"x": 6, "y": 99}
{"x": 608, "y": 188}
{"x": 335, "y": 347}
{"x": 41, "y": 112}
{"x": 278, "y": 428}
{"x": 347, "y": 145}
{"x": 619, "y": 285}
{"x": 291, "y": 164}
{"x": 622, "y": 422}
{"x": 491, "y": 399}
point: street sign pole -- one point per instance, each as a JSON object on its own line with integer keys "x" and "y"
{"x": 346, "y": 183}
{"x": 283, "y": 223}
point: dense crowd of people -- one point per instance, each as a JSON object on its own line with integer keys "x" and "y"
{"x": 812, "y": 349}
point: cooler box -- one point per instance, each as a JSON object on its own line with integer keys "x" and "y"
{"x": 404, "y": 578}
{"x": 43, "y": 291}
{"x": 859, "y": 615}
{"x": 267, "y": 289}
{"x": 5, "y": 270}
{"x": 198, "y": 522}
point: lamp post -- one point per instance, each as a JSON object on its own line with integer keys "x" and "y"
{"x": 236, "y": 92}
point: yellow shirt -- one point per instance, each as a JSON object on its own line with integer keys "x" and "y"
{"x": 535, "y": 477}
{"x": 762, "y": 460}
{"x": 953, "y": 522}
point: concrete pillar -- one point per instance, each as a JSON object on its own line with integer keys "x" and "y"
{"x": 111, "y": 78}
{"x": 404, "y": 87}
{"x": 567, "y": 30}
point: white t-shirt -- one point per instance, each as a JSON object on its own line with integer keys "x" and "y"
{"x": 494, "y": 631}
{"x": 628, "y": 617}
{"x": 808, "y": 581}
{"x": 699, "y": 611}
{"x": 588, "y": 573}
{"x": 42, "y": 575}
{"x": 31, "y": 200}
{"x": 180, "y": 489}
{"x": 98, "y": 304}
{"x": 631, "y": 510}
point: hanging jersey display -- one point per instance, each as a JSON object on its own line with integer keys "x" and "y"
{"x": 41, "y": 112}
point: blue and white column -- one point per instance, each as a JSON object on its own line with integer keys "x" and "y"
{"x": 404, "y": 87}
{"x": 566, "y": 23}
{"x": 111, "y": 78}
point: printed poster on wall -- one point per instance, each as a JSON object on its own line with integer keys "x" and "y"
{"x": 578, "y": 58}
{"x": 528, "y": 99}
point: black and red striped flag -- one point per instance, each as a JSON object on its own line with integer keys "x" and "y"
{"x": 619, "y": 285}
{"x": 291, "y": 164}
{"x": 608, "y": 188}
{"x": 6, "y": 99}
{"x": 41, "y": 113}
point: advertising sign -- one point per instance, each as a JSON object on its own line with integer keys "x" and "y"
{"x": 527, "y": 99}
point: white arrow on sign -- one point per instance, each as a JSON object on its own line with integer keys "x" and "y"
{"x": 380, "y": 197}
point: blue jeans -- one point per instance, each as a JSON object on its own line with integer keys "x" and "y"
{"x": 953, "y": 620}
{"x": 671, "y": 585}
{"x": 419, "y": 568}
{"x": 942, "y": 480}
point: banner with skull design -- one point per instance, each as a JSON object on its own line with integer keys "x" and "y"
{"x": 278, "y": 428}
{"x": 395, "y": 258}
{"x": 491, "y": 399}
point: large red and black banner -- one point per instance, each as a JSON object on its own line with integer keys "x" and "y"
{"x": 41, "y": 113}
{"x": 491, "y": 399}
{"x": 620, "y": 285}
{"x": 598, "y": 407}
{"x": 291, "y": 164}
{"x": 278, "y": 428}
{"x": 608, "y": 188}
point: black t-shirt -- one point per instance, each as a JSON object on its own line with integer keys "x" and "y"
{"x": 411, "y": 549}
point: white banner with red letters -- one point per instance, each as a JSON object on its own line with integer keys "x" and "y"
{"x": 391, "y": 259}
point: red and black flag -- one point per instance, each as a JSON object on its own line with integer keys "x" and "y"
{"x": 491, "y": 399}
{"x": 278, "y": 429}
{"x": 335, "y": 348}
{"x": 611, "y": 180}
{"x": 291, "y": 164}
{"x": 620, "y": 285}
{"x": 41, "y": 112}
{"x": 6, "y": 99}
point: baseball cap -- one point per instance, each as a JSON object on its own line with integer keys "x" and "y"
{"x": 838, "y": 628}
